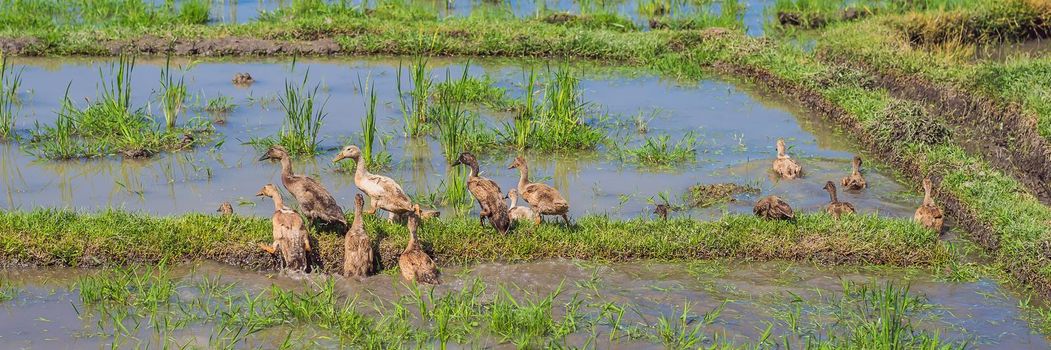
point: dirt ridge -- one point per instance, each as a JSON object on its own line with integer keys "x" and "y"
{"x": 989, "y": 126}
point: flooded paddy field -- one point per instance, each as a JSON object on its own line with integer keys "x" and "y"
{"x": 732, "y": 128}
{"x": 551, "y": 303}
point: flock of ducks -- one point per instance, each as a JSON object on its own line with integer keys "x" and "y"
{"x": 291, "y": 239}
{"x": 773, "y": 207}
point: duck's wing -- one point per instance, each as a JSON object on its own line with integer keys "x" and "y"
{"x": 316, "y": 201}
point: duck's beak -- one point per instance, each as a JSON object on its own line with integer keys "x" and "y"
{"x": 457, "y": 162}
{"x": 264, "y": 157}
{"x": 260, "y": 194}
{"x": 338, "y": 158}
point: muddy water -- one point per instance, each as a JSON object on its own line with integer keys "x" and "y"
{"x": 47, "y": 312}
{"x": 736, "y": 128}
{"x": 753, "y": 16}
{"x": 1003, "y": 52}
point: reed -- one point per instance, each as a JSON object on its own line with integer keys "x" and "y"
{"x": 414, "y": 112}
{"x": 304, "y": 116}
{"x": 173, "y": 94}
{"x": 10, "y": 81}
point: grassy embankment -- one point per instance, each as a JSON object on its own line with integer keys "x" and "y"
{"x": 1000, "y": 109}
{"x": 47, "y": 237}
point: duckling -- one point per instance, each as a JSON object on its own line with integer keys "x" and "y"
{"x": 785, "y": 166}
{"x": 488, "y": 194}
{"x": 357, "y": 247}
{"x": 835, "y": 207}
{"x": 855, "y": 181}
{"x": 929, "y": 214}
{"x": 773, "y": 208}
{"x": 544, "y": 199}
{"x": 315, "y": 201}
{"x": 225, "y": 209}
{"x": 384, "y": 193}
{"x": 414, "y": 263}
{"x": 290, "y": 235}
{"x": 518, "y": 213}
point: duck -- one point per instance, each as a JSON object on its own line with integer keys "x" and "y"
{"x": 384, "y": 193}
{"x": 854, "y": 182}
{"x": 414, "y": 263}
{"x": 291, "y": 240}
{"x": 357, "y": 247}
{"x": 784, "y": 166}
{"x": 518, "y": 213}
{"x": 487, "y": 192}
{"x": 773, "y": 208}
{"x": 225, "y": 209}
{"x": 929, "y": 214}
{"x": 544, "y": 199}
{"x": 315, "y": 201}
{"x": 835, "y": 207}
{"x": 662, "y": 211}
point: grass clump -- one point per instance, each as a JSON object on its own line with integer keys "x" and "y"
{"x": 658, "y": 152}
{"x": 10, "y": 81}
{"x": 51, "y": 14}
{"x": 414, "y": 112}
{"x": 706, "y": 195}
{"x": 304, "y": 116}
{"x": 559, "y": 123}
{"x": 110, "y": 125}
{"x": 148, "y": 289}
{"x": 173, "y": 95}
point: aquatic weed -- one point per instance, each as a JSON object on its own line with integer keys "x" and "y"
{"x": 10, "y": 81}
{"x": 173, "y": 94}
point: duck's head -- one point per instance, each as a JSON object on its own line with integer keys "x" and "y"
{"x": 268, "y": 191}
{"x": 519, "y": 162}
{"x": 512, "y": 194}
{"x": 781, "y": 146}
{"x": 857, "y": 161}
{"x": 927, "y": 183}
{"x": 351, "y": 151}
{"x": 359, "y": 201}
{"x": 274, "y": 152}
{"x": 414, "y": 220}
{"x": 466, "y": 158}
{"x": 829, "y": 186}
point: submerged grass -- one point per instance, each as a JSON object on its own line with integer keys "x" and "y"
{"x": 51, "y": 237}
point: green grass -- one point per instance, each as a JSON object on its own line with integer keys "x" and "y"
{"x": 304, "y": 116}
{"x": 110, "y": 125}
{"x": 49, "y": 14}
{"x": 10, "y": 81}
{"x": 173, "y": 95}
{"x": 52, "y": 237}
{"x": 560, "y": 122}
{"x": 414, "y": 111}
{"x": 658, "y": 152}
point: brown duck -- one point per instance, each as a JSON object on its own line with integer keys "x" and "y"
{"x": 314, "y": 200}
{"x": 384, "y": 193}
{"x": 543, "y": 199}
{"x": 357, "y": 247}
{"x": 835, "y": 207}
{"x": 784, "y": 166}
{"x": 487, "y": 192}
{"x": 929, "y": 214}
{"x": 291, "y": 239}
{"x": 414, "y": 263}
{"x": 773, "y": 208}
{"x": 855, "y": 181}
{"x": 225, "y": 209}
{"x": 519, "y": 213}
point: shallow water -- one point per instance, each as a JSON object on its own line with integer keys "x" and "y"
{"x": 1006, "y": 51}
{"x": 47, "y": 311}
{"x": 753, "y": 16}
{"x": 736, "y": 128}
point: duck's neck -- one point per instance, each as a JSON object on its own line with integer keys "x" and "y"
{"x": 856, "y": 168}
{"x": 358, "y": 223}
{"x": 474, "y": 168}
{"x": 286, "y": 167}
{"x": 412, "y": 240}
{"x": 781, "y": 151}
{"x": 523, "y": 178}
{"x": 832, "y": 195}
{"x": 927, "y": 200}
{"x": 279, "y": 203}
{"x": 359, "y": 167}
{"x": 514, "y": 201}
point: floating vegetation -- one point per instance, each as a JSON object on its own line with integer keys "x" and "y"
{"x": 706, "y": 195}
{"x": 110, "y": 125}
{"x": 10, "y": 81}
{"x": 220, "y": 105}
{"x": 659, "y": 152}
